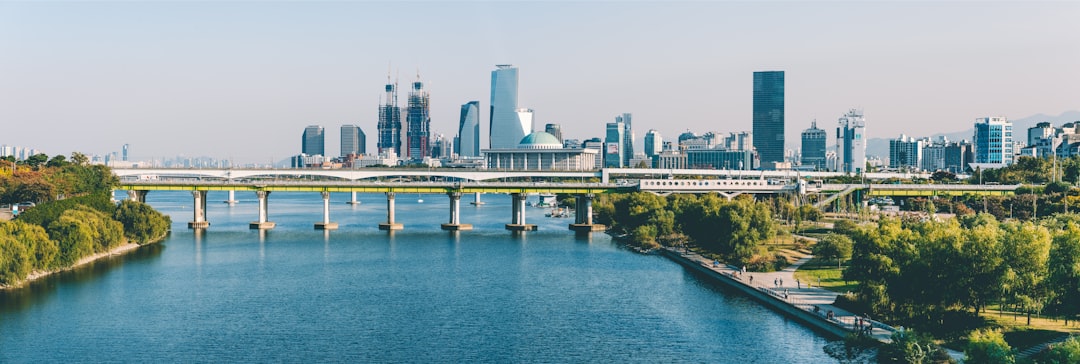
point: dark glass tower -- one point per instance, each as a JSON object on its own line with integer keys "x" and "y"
{"x": 813, "y": 147}
{"x": 769, "y": 117}
{"x": 314, "y": 141}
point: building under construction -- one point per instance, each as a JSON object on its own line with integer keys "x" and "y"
{"x": 418, "y": 118}
{"x": 390, "y": 121}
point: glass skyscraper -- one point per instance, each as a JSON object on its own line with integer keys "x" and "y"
{"x": 813, "y": 147}
{"x": 769, "y": 117}
{"x": 418, "y": 118}
{"x": 314, "y": 141}
{"x": 467, "y": 143}
{"x": 353, "y": 140}
{"x": 628, "y": 138}
{"x": 653, "y": 143}
{"x": 505, "y": 128}
{"x": 554, "y": 129}
{"x": 613, "y": 145}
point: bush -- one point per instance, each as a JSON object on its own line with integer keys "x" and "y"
{"x": 988, "y": 347}
{"x": 44, "y": 214}
{"x": 142, "y": 224}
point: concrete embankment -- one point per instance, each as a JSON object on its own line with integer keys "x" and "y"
{"x": 811, "y": 306}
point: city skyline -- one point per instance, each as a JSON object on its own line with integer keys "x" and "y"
{"x": 159, "y": 76}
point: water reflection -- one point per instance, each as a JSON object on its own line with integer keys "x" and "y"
{"x": 40, "y": 291}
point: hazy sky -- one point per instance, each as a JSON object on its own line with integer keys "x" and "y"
{"x": 241, "y": 80}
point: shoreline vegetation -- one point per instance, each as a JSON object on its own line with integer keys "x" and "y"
{"x": 927, "y": 276}
{"x": 72, "y": 221}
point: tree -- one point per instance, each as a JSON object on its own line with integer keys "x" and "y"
{"x": 58, "y": 161}
{"x": 142, "y": 224}
{"x": 1064, "y": 266}
{"x": 15, "y": 260}
{"x": 36, "y": 160}
{"x": 42, "y": 249}
{"x": 79, "y": 159}
{"x": 834, "y": 246}
{"x": 988, "y": 347}
{"x": 1026, "y": 254}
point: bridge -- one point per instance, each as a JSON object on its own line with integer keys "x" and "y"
{"x": 457, "y": 182}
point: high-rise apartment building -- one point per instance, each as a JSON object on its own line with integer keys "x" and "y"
{"x": 628, "y": 138}
{"x": 653, "y": 143}
{"x": 353, "y": 140}
{"x": 418, "y": 117}
{"x": 389, "y": 126}
{"x": 813, "y": 147}
{"x": 613, "y": 145}
{"x": 906, "y": 153}
{"x": 506, "y": 127}
{"x": 769, "y": 117}
{"x": 993, "y": 140}
{"x": 554, "y": 129}
{"x": 851, "y": 143}
{"x": 467, "y": 142}
{"x": 314, "y": 141}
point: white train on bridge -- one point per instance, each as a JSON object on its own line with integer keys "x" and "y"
{"x": 664, "y": 186}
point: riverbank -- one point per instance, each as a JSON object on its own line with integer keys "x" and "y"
{"x": 35, "y": 275}
{"x": 781, "y": 292}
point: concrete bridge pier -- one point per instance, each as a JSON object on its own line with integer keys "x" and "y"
{"x": 517, "y": 214}
{"x": 326, "y": 224}
{"x": 353, "y": 200}
{"x": 476, "y": 199}
{"x": 198, "y": 220}
{"x": 232, "y": 197}
{"x": 455, "y": 214}
{"x": 583, "y": 222}
{"x": 390, "y": 224}
{"x": 262, "y": 224}
{"x": 137, "y": 195}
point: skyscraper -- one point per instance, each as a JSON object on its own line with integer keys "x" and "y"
{"x": 613, "y": 145}
{"x": 505, "y": 128}
{"x": 628, "y": 138}
{"x": 467, "y": 143}
{"x": 314, "y": 141}
{"x": 353, "y": 140}
{"x": 419, "y": 121}
{"x": 390, "y": 121}
{"x": 554, "y": 129}
{"x": 851, "y": 143}
{"x": 653, "y": 143}
{"x": 813, "y": 146}
{"x": 769, "y": 117}
{"x": 993, "y": 140}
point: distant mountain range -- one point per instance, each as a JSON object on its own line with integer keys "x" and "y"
{"x": 879, "y": 147}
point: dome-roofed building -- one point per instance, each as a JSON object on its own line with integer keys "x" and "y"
{"x": 540, "y": 151}
{"x": 539, "y": 140}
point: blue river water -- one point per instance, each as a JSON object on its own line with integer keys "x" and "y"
{"x": 357, "y": 294}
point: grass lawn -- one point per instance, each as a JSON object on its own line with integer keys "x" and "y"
{"x": 825, "y": 272}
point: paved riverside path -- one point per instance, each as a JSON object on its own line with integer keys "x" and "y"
{"x": 799, "y": 295}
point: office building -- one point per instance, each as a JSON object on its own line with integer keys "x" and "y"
{"x": 353, "y": 140}
{"x": 467, "y": 142}
{"x": 993, "y": 141}
{"x": 389, "y": 127}
{"x": 768, "y": 129}
{"x": 813, "y": 147}
{"x": 554, "y": 129}
{"x": 628, "y": 138}
{"x": 505, "y": 127}
{"x": 851, "y": 142}
{"x": 653, "y": 143}
{"x": 613, "y": 145}
{"x": 314, "y": 141}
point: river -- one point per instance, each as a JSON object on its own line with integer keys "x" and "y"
{"x": 358, "y": 294}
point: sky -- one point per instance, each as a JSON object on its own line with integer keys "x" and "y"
{"x": 240, "y": 80}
